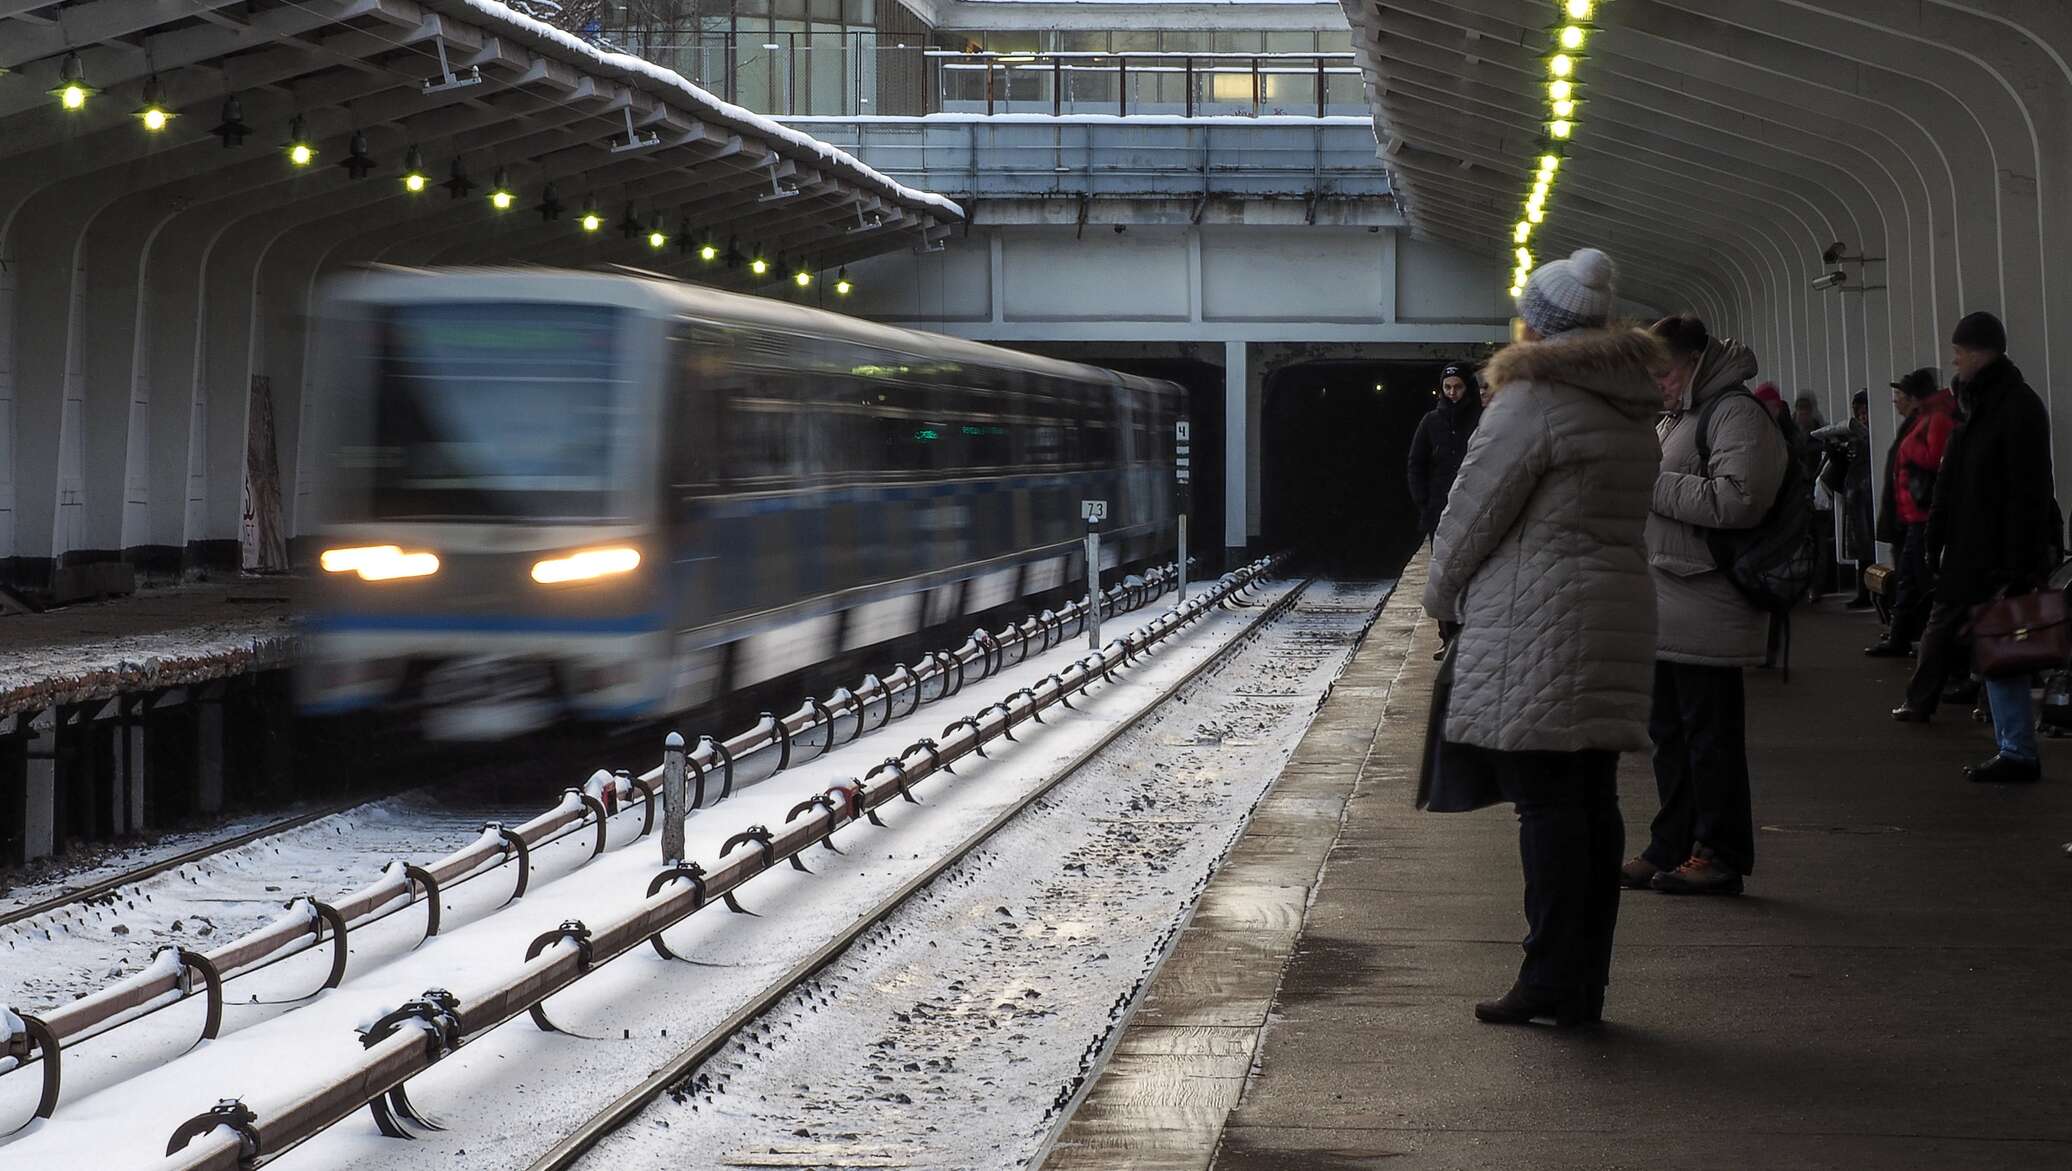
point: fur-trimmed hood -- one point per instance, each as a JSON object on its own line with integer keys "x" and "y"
{"x": 1613, "y": 364}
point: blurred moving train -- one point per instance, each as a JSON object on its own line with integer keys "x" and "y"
{"x": 598, "y": 496}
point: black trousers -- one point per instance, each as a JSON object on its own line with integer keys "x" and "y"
{"x": 1916, "y": 591}
{"x": 1699, "y": 726}
{"x": 1570, "y": 842}
{"x": 1943, "y": 652}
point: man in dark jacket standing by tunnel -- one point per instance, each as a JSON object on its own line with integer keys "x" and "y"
{"x": 1993, "y": 528}
{"x": 1440, "y": 442}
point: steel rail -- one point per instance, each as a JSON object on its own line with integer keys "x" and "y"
{"x": 151, "y": 869}
{"x": 772, "y": 745}
{"x": 564, "y": 1154}
{"x": 420, "y": 1032}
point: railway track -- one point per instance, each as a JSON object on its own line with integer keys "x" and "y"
{"x": 720, "y": 767}
{"x": 684, "y": 1067}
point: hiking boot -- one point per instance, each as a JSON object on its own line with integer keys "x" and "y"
{"x": 1885, "y": 648}
{"x": 2005, "y": 770}
{"x": 1701, "y": 874}
{"x": 1636, "y": 873}
{"x": 1524, "y": 1004}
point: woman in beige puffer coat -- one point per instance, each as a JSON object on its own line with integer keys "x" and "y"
{"x": 1541, "y": 560}
{"x": 1703, "y": 840}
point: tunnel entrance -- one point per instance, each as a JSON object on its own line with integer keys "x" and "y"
{"x": 1204, "y": 385}
{"x": 1335, "y": 441}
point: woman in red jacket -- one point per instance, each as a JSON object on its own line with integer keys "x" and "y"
{"x": 1913, "y": 490}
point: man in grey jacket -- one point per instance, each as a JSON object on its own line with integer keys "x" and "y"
{"x": 1703, "y": 840}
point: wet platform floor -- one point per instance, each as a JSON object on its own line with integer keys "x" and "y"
{"x": 1890, "y": 992}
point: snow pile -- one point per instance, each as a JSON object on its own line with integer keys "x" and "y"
{"x": 703, "y": 103}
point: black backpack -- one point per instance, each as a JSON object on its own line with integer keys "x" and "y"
{"x": 1772, "y": 564}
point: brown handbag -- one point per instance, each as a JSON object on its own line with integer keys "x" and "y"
{"x": 1881, "y": 581}
{"x": 2020, "y": 634}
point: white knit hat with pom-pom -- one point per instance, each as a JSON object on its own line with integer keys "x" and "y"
{"x": 1575, "y": 293}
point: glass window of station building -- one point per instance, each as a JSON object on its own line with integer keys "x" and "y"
{"x": 846, "y": 58}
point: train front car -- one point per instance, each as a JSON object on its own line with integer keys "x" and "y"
{"x": 489, "y": 552}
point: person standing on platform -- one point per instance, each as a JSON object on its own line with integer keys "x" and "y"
{"x": 1703, "y": 840}
{"x": 1848, "y": 443}
{"x": 1805, "y": 413}
{"x": 1993, "y": 530}
{"x": 1541, "y": 561}
{"x": 1910, "y": 474}
{"x": 1440, "y": 442}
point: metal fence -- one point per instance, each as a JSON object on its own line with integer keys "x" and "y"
{"x": 828, "y": 74}
{"x": 1037, "y": 155}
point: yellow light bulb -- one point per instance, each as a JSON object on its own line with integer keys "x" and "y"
{"x": 708, "y": 253}
{"x": 1539, "y": 189}
{"x": 1561, "y": 91}
{"x": 73, "y": 97}
{"x": 1579, "y": 9}
{"x": 154, "y": 119}
{"x": 1522, "y": 232}
{"x": 1564, "y": 109}
{"x": 1550, "y": 163}
{"x": 300, "y": 154}
{"x": 1561, "y": 65}
{"x": 657, "y": 239}
{"x": 1524, "y": 258}
{"x": 500, "y": 200}
{"x": 592, "y": 221}
{"x": 802, "y": 279}
{"x": 1561, "y": 128}
{"x": 758, "y": 266}
{"x": 413, "y": 183}
{"x": 842, "y": 288}
{"x": 1516, "y": 292}
{"x": 1534, "y": 214}
{"x": 1571, "y": 37}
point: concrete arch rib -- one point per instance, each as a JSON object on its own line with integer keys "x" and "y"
{"x": 1409, "y": 73}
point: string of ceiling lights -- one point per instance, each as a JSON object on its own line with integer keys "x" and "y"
{"x": 73, "y": 91}
{"x": 1567, "y": 38}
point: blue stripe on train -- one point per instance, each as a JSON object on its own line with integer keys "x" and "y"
{"x": 483, "y": 624}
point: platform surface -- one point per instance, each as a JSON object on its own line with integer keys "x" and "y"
{"x": 1890, "y": 993}
{"x": 154, "y": 638}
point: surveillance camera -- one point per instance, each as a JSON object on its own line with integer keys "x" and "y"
{"x": 1830, "y": 280}
{"x": 1834, "y": 253}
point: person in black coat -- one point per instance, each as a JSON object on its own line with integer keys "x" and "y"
{"x": 1993, "y": 528}
{"x": 1440, "y": 442}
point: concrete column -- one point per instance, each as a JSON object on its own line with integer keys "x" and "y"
{"x": 1236, "y": 451}
{"x": 40, "y": 817}
{"x": 130, "y": 754}
{"x": 208, "y": 753}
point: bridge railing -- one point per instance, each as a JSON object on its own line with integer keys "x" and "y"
{"x": 829, "y": 74}
{"x": 1014, "y": 155}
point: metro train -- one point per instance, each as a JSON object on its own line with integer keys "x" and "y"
{"x": 554, "y": 495}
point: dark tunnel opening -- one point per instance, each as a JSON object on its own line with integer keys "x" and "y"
{"x": 1335, "y": 441}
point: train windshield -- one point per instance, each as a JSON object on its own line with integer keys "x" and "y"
{"x": 498, "y": 411}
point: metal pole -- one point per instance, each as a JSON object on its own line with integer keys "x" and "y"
{"x": 1122, "y": 87}
{"x": 1320, "y": 87}
{"x": 1093, "y": 584}
{"x": 1057, "y": 86}
{"x": 673, "y": 808}
{"x": 1183, "y": 557}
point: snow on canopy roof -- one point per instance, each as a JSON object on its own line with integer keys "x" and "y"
{"x": 704, "y": 104}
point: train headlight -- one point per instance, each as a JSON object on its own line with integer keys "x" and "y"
{"x": 586, "y": 565}
{"x": 379, "y": 562}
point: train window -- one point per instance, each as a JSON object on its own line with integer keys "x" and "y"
{"x": 499, "y": 411}
{"x": 762, "y": 439}
{"x": 1043, "y": 443}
